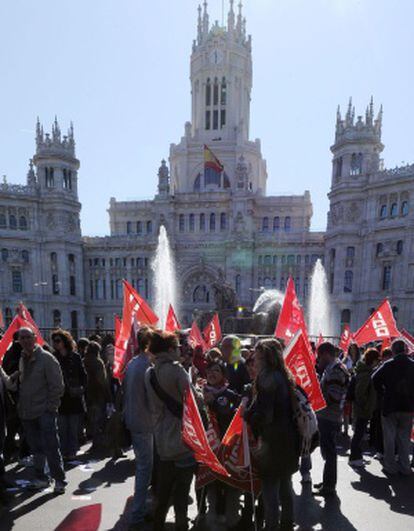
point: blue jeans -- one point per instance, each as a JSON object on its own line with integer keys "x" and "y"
{"x": 328, "y": 431}
{"x": 42, "y": 436}
{"x": 68, "y": 434}
{"x": 275, "y": 492}
{"x": 143, "y": 444}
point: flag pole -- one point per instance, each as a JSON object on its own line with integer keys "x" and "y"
{"x": 251, "y": 476}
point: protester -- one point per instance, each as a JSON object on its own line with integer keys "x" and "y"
{"x": 139, "y": 422}
{"x": 221, "y": 403}
{"x": 9, "y": 383}
{"x": 334, "y": 383}
{"x": 97, "y": 395}
{"x": 394, "y": 382}
{"x": 72, "y": 405}
{"x": 41, "y": 388}
{"x": 271, "y": 418}
{"x": 82, "y": 343}
{"x": 166, "y": 384}
{"x": 364, "y": 403}
{"x": 237, "y": 373}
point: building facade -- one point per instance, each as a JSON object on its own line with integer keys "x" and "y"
{"x": 224, "y": 230}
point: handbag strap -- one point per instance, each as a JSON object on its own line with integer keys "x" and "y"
{"x": 173, "y": 406}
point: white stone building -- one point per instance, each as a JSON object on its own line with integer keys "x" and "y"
{"x": 221, "y": 230}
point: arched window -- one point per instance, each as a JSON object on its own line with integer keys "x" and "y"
{"x": 350, "y": 252}
{"x": 17, "y": 281}
{"x": 400, "y": 246}
{"x": 276, "y": 223}
{"x": 216, "y": 92}
{"x": 149, "y": 227}
{"x": 338, "y": 167}
{"x": 265, "y": 224}
{"x": 223, "y": 221}
{"x": 356, "y": 163}
{"x": 181, "y": 223}
{"x": 290, "y": 259}
{"x": 49, "y": 177}
{"x": 287, "y": 224}
{"x": 267, "y": 260}
{"x": 383, "y": 211}
{"x": 25, "y": 256}
{"x": 208, "y": 92}
{"x": 139, "y": 227}
{"x": 57, "y": 318}
{"x": 191, "y": 223}
{"x": 201, "y": 294}
{"x": 8, "y": 316}
{"x": 267, "y": 283}
{"x": 3, "y": 221}
{"x": 202, "y": 222}
{"x": 274, "y": 260}
{"x": 55, "y": 284}
{"x": 404, "y": 208}
{"x": 129, "y": 227}
{"x": 12, "y": 221}
{"x": 298, "y": 259}
{"x": 380, "y": 248}
{"x": 223, "y": 92}
{"x": 140, "y": 285}
{"x": 4, "y": 254}
{"x": 22, "y": 223}
{"x": 237, "y": 284}
{"x": 348, "y": 281}
{"x": 394, "y": 210}
{"x": 212, "y": 222}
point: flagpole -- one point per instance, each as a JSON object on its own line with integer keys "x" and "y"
{"x": 251, "y": 478}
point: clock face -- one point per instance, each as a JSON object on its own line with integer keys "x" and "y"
{"x": 216, "y": 56}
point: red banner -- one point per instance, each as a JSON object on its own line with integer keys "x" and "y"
{"x": 409, "y": 339}
{"x": 195, "y": 338}
{"x": 212, "y": 332}
{"x": 135, "y": 312}
{"x": 118, "y": 325}
{"x": 346, "y": 339}
{"x": 380, "y": 325}
{"x": 19, "y": 322}
{"x": 195, "y": 437}
{"x": 291, "y": 317}
{"x": 298, "y": 359}
{"x": 29, "y": 321}
{"x": 172, "y": 324}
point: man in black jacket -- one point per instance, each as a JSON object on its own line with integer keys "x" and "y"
{"x": 394, "y": 382}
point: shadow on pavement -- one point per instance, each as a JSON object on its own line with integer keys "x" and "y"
{"x": 112, "y": 472}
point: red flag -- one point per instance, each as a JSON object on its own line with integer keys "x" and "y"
{"x": 380, "y": 325}
{"x": 299, "y": 361}
{"x": 408, "y": 338}
{"x": 195, "y": 339}
{"x": 29, "y": 322}
{"x": 17, "y": 323}
{"x": 212, "y": 332}
{"x": 172, "y": 324}
{"x": 118, "y": 325}
{"x": 195, "y": 437}
{"x": 291, "y": 317}
{"x": 346, "y": 339}
{"x": 135, "y": 312}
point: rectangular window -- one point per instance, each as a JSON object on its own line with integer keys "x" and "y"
{"x": 17, "y": 281}
{"x": 72, "y": 285}
{"x": 97, "y": 290}
{"x": 222, "y": 118}
{"x": 112, "y": 290}
{"x": 386, "y": 278}
{"x": 104, "y": 289}
{"x": 202, "y": 222}
{"x": 215, "y": 119}
{"x": 215, "y": 93}
{"x": 139, "y": 227}
{"x": 208, "y": 120}
{"x": 55, "y": 285}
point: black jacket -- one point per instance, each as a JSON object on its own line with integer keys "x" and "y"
{"x": 224, "y": 406}
{"x": 74, "y": 376}
{"x": 237, "y": 376}
{"x": 394, "y": 382}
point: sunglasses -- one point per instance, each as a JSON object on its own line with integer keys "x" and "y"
{"x": 57, "y": 340}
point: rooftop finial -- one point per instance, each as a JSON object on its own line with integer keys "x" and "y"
{"x": 239, "y": 26}
{"x": 231, "y": 17}
{"x": 205, "y": 19}
{"x": 199, "y": 26}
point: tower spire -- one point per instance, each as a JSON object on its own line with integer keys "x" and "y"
{"x": 240, "y": 19}
{"x": 205, "y": 19}
{"x": 231, "y": 17}
{"x": 199, "y": 26}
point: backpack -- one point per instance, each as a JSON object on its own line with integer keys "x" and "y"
{"x": 306, "y": 421}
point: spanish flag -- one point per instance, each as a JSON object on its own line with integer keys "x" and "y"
{"x": 211, "y": 161}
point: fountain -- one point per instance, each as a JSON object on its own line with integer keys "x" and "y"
{"x": 319, "y": 312}
{"x": 164, "y": 279}
{"x": 266, "y": 311}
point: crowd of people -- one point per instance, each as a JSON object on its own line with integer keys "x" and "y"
{"x": 56, "y": 398}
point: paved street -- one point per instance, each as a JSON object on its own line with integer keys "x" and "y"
{"x": 99, "y": 491}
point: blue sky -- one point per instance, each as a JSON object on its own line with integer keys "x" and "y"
{"x": 119, "y": 69}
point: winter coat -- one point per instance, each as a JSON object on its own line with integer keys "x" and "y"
{"x": 173, "y": 380}
{"x": 271, "y": 418}
{"x": 334, "y": 384}
{"x": 74, "y": 376}
{"x": 365, "y": 400}
{"x": 237, "y": 376}
{"x": 97, "y": 389}
{"x": 41, "y": 384}
{"x": 223, "y": 406}
{"x": 394, "y": 382}
{"x": 136, "y": 409}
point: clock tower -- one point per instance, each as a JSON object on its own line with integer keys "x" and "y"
{"x": 221, "y": 78}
